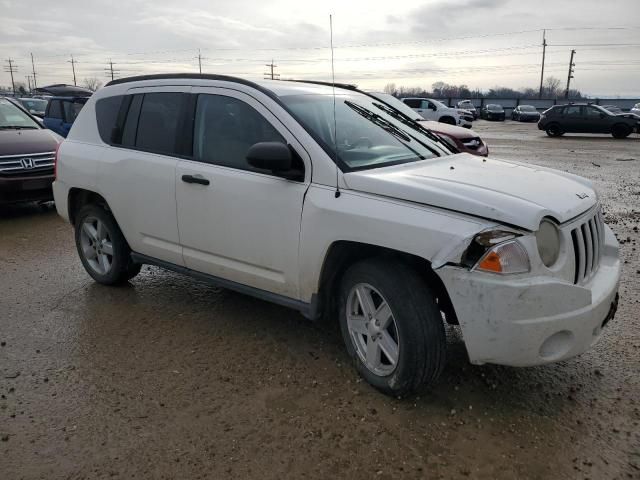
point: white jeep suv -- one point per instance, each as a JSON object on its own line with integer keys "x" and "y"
{"x": 352, "y": 213}
{"x": 430, "y": 109}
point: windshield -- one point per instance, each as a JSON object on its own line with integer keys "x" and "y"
{"x": 370, "y": 134}
{"x": 397, "y": 104}
{"x": 33, "y": 104}
{"x": 12, "y": 117}
{"x": 494, "y": 107}
{"x": 527, "y": 108}
{"x": 440, "y": 105}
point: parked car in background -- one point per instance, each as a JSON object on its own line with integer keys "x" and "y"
{"x": 27, "y": 153}
{"x": 35, "y": 106}
{"x": 613, "y": 109}
{"x": 322, "y": 199}
{"x": 461, "y": 139}
{"x": 62, "y": 112}
{"x": 492, "y": 111}
{"x": 468, "y": 105}
{"x": 434, "y": 110}
{"x": 636, "y": 109}
{"x": 586, "y": 118}
{"x": 525, "y": 113}
{"x": 466, "y": 117}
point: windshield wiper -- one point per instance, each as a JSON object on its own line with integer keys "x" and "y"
{"x": 408, "y": 121}
{"x": 378, "y": 120}
{"x": 16, "y": 127}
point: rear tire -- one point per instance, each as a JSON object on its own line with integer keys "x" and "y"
{"x": 620, "y": 131}
{"x": 554, "y": 130}
{"x": 103, "y": 250}
{"x": 398, "y": 348}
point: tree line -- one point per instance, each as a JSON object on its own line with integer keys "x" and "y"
{"x": 551, "y": 88}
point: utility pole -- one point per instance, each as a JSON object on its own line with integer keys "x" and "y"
{"x": 11, "y": 68}
{"x": 544, "y": 51}
{"x": 28, "y": 77}
{"x": 73, "y": 67}
{"x": 570, "y": 74}
{"x": 110, "y": 72}
{"x": 33, "y": 68}
{"x": 199, "y": 62}
{"x": 271, "y": 75}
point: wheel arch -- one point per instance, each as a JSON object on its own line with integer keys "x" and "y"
{"x": 79, "y": 197}
{"x": 342, "y": 254}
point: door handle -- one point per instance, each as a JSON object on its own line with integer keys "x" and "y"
{"x": 195, "y": 179}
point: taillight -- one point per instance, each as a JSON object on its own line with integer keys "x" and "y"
{"x": 55, "y": 161}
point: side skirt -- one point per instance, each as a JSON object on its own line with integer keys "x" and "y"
{"x": 308, "y": 310}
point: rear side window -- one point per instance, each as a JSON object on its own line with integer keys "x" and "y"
{"x": 55, "y": 111}
{"x": 158, "y": 122}
{"x": 413, "y": 102}
{"x": 71, "y": 110}
{"x": 573, "y": 111}
{"x": 107, "y": 110}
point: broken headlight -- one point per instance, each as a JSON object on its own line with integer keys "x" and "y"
{"x": 496, "y": 251}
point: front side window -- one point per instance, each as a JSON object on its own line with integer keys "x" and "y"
{"x": 593, "y": 112}
{"x": 369, "y": 133}
{"x": 226, "y": 128}
{"x": 158, "y": 122}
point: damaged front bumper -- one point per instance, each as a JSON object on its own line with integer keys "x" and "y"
{"x": 527, "y": 321}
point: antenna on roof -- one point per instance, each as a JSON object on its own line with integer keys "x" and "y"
{"x": 335, "y": 122}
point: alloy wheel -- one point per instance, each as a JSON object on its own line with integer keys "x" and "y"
{"x": 96, "y": 244}
{"x": 373, "y": 329}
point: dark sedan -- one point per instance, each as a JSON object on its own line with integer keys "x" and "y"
{"x": 492, "y": 111}
{"x": 525, "y": 113}
{"x": 27, "y": 153}
{"x": 587, "y": 118}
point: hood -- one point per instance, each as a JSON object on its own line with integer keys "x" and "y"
{"x": 18, "y": 142}
{"x": 451, "y": 130}
{"x": 507, "y": 192}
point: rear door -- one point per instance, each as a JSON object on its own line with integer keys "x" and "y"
{"x": 137, "y": 174}
{"x": 237, "y": 222}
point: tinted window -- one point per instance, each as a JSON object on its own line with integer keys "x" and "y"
{"x": 593, "y": 112}
{"x": 413, "y": 102}
{"x": 131, "y": 123}
{"x": 106, "y": 115}
{"x": 573, "y": 110}
{"x": 55, "y": 110}
{"x": 158, "y": 123}
{"x": 225, "y": 128}
{"x": 71, "y": 110}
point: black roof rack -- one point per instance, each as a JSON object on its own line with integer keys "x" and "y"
{"x": 348, "y": 86}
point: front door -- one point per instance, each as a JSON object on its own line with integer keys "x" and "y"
{"x": 237, "y": 222}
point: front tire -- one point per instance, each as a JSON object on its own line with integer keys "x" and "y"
{"x": 391, "y": 326}
{"x": 554, "y": 130}
{"x": 620, "y": 131}
{"x": 102, "y": 248}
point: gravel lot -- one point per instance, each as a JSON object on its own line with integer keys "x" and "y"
{"x": 170, "y": 378}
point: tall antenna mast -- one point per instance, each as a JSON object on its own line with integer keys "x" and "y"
{"x": 335, "y": 122}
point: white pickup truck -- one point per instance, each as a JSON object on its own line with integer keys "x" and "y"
{"x": 326, "y": 201}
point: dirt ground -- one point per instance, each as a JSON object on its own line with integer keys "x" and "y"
{"x": 170, "y": 378}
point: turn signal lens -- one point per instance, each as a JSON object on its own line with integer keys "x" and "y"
{"x": 508, "y": 257}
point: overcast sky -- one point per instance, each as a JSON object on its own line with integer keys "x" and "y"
{"x": 410, "y": 43}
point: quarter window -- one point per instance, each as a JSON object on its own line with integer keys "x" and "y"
{"x": 106, "y": 116}
{"x": 158, "y": 123}
{"x": 225, "y": 128}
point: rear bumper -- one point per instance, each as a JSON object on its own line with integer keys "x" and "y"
{"x": 16, "y": 189}
{"x": 536, "y": 320}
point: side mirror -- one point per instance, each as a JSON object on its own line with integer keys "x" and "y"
{"x": 274, "y": 156}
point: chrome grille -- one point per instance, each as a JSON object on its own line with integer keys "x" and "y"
{"x": 26, "y": 163}
{"x": 588, "y": 241}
